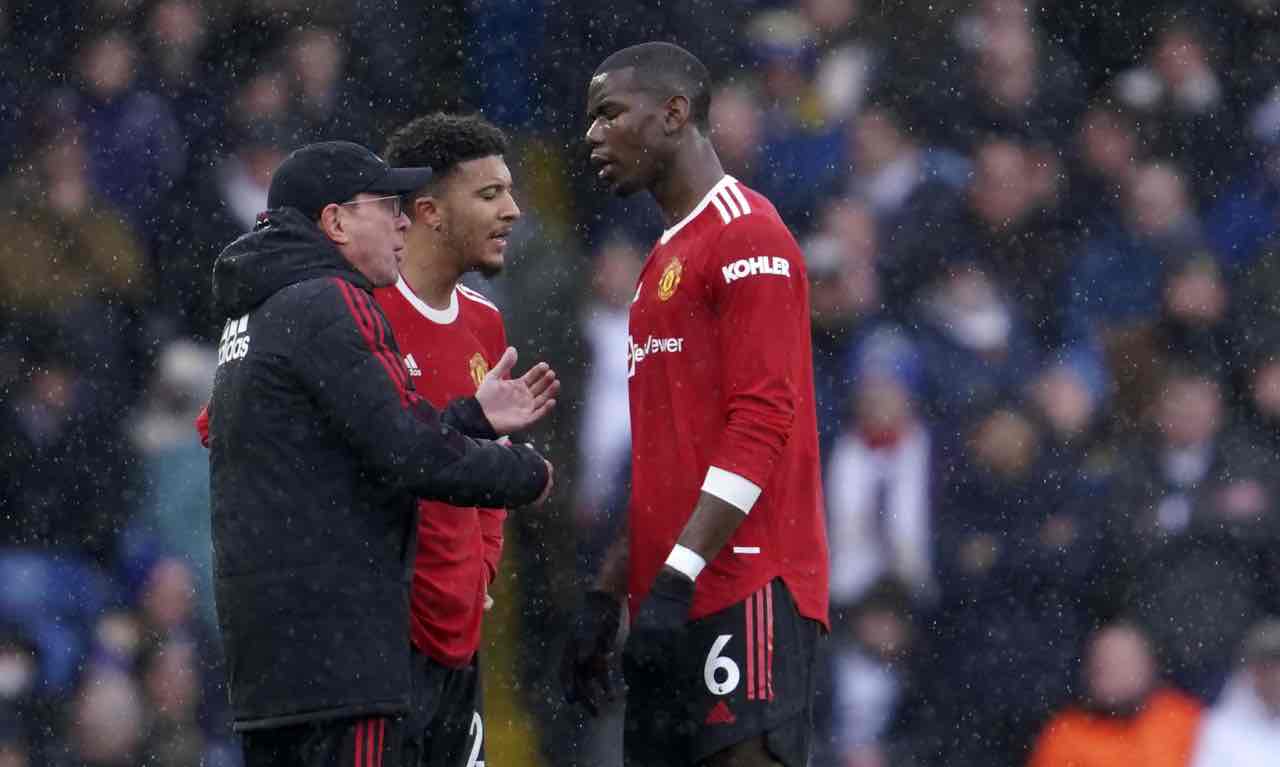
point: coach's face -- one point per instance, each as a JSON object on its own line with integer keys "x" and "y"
{"x": 626, "y": 132}
{"x": 369, "y": 230}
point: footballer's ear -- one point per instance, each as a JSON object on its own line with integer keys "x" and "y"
{"x": 675, "y": 114}
{"x": 425, "y": 208}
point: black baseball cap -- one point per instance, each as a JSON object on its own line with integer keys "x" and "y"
{"x": 336, "y": 171}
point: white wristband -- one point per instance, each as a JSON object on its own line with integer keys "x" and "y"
{"x": 734, "y": 489}
{"x": 687, "y": 561}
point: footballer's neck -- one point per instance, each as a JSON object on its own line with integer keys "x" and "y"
{"x": 693, "y": 170}
{"x": 431, "y": 272}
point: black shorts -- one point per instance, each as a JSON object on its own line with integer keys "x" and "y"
{"x": 445, "y": 726}
{"x": 749, "y": 670}
{"x": 373, "y": 741}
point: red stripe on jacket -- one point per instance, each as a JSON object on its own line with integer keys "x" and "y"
{"x": 356, "y": 303}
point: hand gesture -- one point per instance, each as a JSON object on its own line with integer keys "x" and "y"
{"x": 512, "y": 404}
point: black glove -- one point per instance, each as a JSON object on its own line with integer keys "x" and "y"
{"x": 659, "y": 626}
{"x": 585, "y": 666}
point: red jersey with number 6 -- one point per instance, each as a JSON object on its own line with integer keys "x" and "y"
{"x": 448, "y": 352}
{"x": 721, "y": 384}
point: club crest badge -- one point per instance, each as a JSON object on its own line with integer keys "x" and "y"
{"x": 479, "y": 368}
{"x": 670, "y": 279}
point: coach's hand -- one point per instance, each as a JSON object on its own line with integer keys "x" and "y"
{"x": 658, "y": 629}
{"x": 585, "y": 667}
{"x": 512, "y": 404}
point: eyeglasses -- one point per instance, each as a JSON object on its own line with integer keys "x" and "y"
{"x": 395, "y": 203}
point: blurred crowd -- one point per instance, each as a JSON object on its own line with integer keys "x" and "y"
{"x": 1044, "y": 248}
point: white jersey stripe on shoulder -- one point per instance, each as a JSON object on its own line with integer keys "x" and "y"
{"x": 729, "y": 203}
{"x": 724, "y": 215}
{"x": 740, "y": 197}
{"x": 477, "y": 297}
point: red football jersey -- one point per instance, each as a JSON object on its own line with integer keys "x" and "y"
{"x": 448, "y": 352}
{"x": 721, "y": 383}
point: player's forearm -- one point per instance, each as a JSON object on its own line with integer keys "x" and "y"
{"x": 713, "y": 522}
{"x": 616, "y": 569}
{"x": 725, "y": 501}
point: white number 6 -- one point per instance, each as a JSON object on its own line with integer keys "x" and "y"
{"x": 717, "y": 662}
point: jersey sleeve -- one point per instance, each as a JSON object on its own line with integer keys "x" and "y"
{"x": 758, "y": 297}
{"x": 202, "y": 425}
{"x": 492, "y": 538}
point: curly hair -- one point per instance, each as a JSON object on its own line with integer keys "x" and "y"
{"x": 442, "y": 141}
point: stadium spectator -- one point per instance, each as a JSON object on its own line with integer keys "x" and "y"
{"x": 1126, "y": 715}
{"x": 848, "y": 60}
{"x": 845, "y": 303}
{"x": 880, "y": 478}
{"x": 604, "y": 432}
{"x": 175, "y": 53}
{"x": 1117, "y": 282}
{"x": 975, "y": 343}
{"x": 1009, "y": 223}
{"x": 1012, "y": 546}
{"x": 68, "y": 469}
{"x": 1013, "y": 79}
{"x": 1243, "y": 727}
{"x": 324, "y": 98}
{"x": 105, "y": 724}
{"x": 169, "y": 676}
{"x": 1106, "y": 153}
{"x": 800, "y": 143}
{"x": 173, "y": 509}
{"x": 95, "y": 265}
{"x": 1180, "y": 97}
{"x": 872, "y": 693}
{"x": 136, "y": 149}
{"x": 1195, "y": 325}
{"x": 221, "y": 203}
{"x": 1170, "y": 469}
{"x": 1244, "y": 217}
{"x": 737, "y": 127}
{"x": 29, "y": 715}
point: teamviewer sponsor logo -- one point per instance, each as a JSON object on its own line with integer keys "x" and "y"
{"x": 637, "y": 352}
{"x": 749, "y": 267}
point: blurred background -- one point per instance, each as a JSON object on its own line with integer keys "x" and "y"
{"x": 1044, "y": 247}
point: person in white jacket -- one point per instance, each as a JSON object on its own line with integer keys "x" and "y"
{"x": 1243, "y": 728}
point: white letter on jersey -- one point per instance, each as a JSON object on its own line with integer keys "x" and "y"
{"x": 749, "y": 267}
{"x": 651, "y": 345}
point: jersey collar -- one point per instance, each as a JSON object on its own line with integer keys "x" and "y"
{"x": 439, "y": 316}
{"x": 706, "y": 200}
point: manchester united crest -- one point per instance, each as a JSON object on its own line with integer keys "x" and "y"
{"x": 479, "y": 368}
{"x": 670, "y": 279}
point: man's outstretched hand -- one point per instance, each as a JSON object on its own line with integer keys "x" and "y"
{"x": 512, "y": 404}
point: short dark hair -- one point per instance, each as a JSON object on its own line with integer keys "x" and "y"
{"x": 672, "y": 71}
{"x": 442, "y": 141}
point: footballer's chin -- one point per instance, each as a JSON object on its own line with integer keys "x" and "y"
{"x": 610, "y": 174}
{"x": 625, "y": 187}
{"x": 491, "y": 265}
